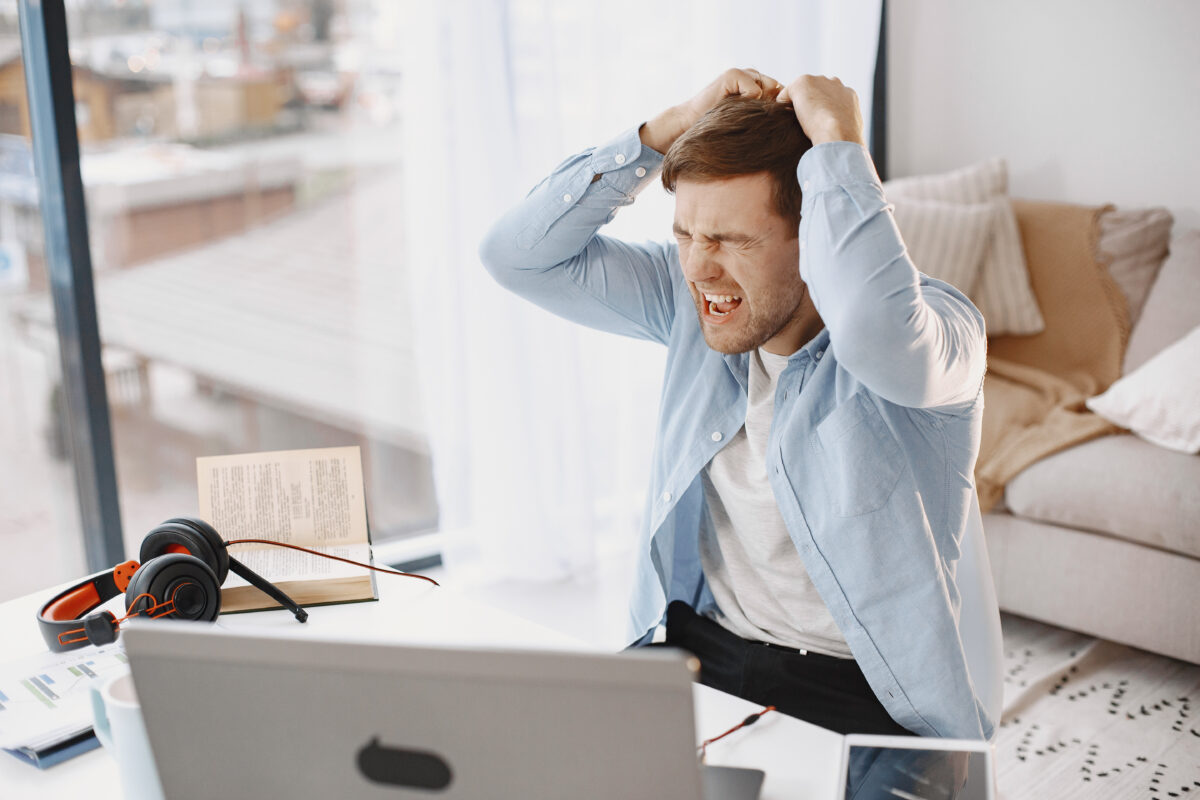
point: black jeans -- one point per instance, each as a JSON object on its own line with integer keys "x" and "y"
{"x": 826, "y": 691}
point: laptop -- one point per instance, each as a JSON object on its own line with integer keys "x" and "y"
{"x": 242, "y": 713}
{"x": 917, "y": 768}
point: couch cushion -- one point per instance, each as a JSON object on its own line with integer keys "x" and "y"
{"x": 1173, "y": 307}
{"x": 1134, "y": 243}
{"x": 1003, "y": 292}
{"x": 1160, "y": 400}
{"x": 1119, "y": 485}
{"x": 947, "y": 240}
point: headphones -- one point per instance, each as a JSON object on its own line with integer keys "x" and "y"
{"x": 184, "y": 561}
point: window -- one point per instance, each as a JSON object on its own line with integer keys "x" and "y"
{"x": 241, "y": 164}
{"x": 39, "y": 518}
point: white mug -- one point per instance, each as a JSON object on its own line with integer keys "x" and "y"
{"x": 119, "y": 727}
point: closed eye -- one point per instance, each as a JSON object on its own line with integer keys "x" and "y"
{"x": 741, "y": 241}
{"x": 735, "y": 239}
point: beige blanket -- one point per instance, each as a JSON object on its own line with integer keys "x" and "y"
{"x": 1036, "y": 385}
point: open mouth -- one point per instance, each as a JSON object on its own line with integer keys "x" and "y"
{"x": 720, "y": 306}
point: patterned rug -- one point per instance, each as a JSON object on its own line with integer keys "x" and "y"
{"x": 1087, "y": 718}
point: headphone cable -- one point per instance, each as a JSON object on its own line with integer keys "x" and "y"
{"x": 335, "y": 558}
{"x": 750, "y": 720}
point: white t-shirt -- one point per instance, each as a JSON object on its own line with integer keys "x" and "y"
{"x": 762, "y": 589}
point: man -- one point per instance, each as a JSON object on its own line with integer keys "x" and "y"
{"x": 812, "y": 476}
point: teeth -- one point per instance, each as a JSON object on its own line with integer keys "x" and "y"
{"x": 713, "y": 310}
{"x": 721, "y": 298}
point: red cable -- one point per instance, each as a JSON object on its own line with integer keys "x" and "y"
{"x": 750, "y": 720}
{"x": 335, "y": 558}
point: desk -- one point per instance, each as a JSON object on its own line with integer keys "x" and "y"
{"x": 801, "y": 760}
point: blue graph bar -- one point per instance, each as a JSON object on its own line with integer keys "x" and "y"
{"x": 3, "y": 697}
{"x": 46, "y": 679}
{"x": 43, "y": 688}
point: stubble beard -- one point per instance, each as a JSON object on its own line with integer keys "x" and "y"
{"x": 762, "y": 325}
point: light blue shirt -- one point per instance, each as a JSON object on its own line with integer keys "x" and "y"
{"x": 877, "y": 418}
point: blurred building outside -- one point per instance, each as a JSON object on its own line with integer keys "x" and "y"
{"x": 241, "y": 163}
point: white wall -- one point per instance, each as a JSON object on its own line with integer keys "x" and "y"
{"x": 1090, "y": 101}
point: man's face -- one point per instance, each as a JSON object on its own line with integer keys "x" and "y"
{"x": 732, "y": 243}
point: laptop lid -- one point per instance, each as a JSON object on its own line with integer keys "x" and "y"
{"x": 917, "y": 768}
{"x": 266, "y": 714}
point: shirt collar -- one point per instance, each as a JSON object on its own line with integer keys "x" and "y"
{"x": 739, "y": 363}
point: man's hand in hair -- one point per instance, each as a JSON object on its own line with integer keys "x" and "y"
{"x": 660, "y": 132}
{"x": 827, "y": 110}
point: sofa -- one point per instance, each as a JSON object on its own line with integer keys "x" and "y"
{"x": 1104, "y": 537}
{"x": 1089, "y": 526}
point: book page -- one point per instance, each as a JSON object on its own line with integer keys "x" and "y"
{"x": 306, "y": 578}
{"x": 311, "y": 498}
{"x": 293, "y": 565}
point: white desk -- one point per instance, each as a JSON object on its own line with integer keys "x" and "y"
{"x": 801, "y": 760}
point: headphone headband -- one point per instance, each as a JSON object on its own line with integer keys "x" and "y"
{"x": 61, "y": 613}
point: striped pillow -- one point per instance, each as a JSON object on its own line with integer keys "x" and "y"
{"x": 1133, "y": 241}
{"x": 946, "y": 240}
{"x": 1003, "y": 292}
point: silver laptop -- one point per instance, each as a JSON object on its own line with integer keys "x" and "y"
{"x": 249, "y": 714}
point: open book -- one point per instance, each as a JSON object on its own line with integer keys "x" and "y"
{"x": 310, "y": 498}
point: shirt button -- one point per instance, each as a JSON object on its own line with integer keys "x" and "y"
{"x": 806, "y": 185}
{"x": 818, "y": 355}
{"x": 567, "y": 198}
{"x": 640, "y": 172}
{"x": 716, "y": 436}
{"x": 666, "y": 497}
{"x": 619, "y": 158}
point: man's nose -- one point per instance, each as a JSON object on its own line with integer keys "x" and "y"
{"x": 701, "y": 267}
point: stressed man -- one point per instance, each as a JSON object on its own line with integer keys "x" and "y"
{"x": 812, "y": 476}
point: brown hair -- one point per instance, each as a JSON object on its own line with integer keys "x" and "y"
{"x": 741, "y": 136}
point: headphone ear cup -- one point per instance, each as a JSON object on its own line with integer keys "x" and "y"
{"x": 191, "y": 536}
{"x": 184, "y": 579}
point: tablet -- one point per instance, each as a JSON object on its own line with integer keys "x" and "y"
{"x": 917, "y": 768}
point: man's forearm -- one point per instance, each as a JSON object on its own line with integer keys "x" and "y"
{"x": 547, "y": 250}
{"x": 914, "y": 345}
{"x": 561, "y": 214}
{"x": 661, "y": 132}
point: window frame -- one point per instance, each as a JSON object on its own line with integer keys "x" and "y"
{"x": 51, "y": 96}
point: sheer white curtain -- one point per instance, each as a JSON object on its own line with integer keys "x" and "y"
{"x": 541, "y": 431}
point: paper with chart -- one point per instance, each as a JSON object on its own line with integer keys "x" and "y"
{"x": 311, "y": 498}
{"x": 44, "y": 698}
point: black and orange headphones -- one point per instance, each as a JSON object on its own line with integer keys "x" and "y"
{"x": 184, "y": 561}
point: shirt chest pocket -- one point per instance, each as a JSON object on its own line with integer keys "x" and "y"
{"x": 860, "y": 460}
